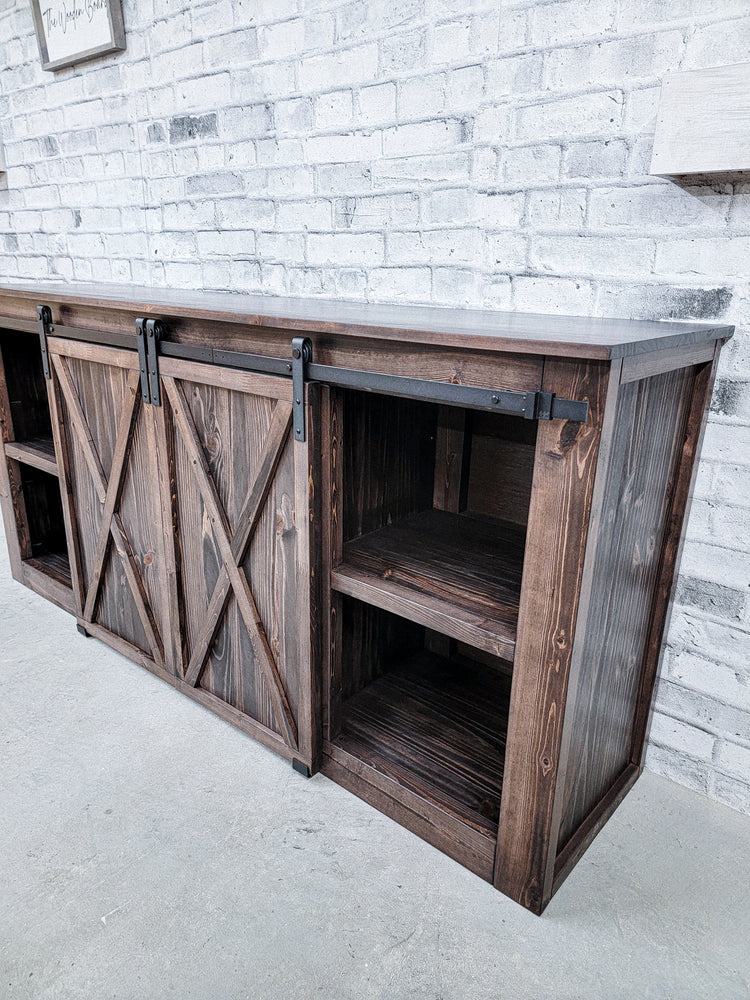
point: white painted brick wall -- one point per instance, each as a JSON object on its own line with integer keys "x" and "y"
{"x": 440, "y": 151}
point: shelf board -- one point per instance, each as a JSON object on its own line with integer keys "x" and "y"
{"x": 453, "y": 573}
{"x": 54, "y": 564}
{"x": 39, "y": 453}
{"x": 437, "y": 728}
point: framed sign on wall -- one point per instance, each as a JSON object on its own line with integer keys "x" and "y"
{"x": 70, "y": 31}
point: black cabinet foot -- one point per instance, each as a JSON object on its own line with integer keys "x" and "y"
{"x": 301, "y": 768}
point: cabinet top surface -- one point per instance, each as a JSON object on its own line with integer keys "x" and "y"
{"x": 475, "y": 329}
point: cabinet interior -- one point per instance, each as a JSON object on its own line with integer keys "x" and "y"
{"x": 30, "y": 452}
{"x": 44, "y": 516}
{"x": 426, "y": 577}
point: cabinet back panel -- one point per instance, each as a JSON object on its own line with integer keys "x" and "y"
{"x": 41, "y": 493}
{"x": 500, "y": 478}
{"x": 389, "y": 460}
{"x": 373, "y": 641}
{"x": 27, "y": 391}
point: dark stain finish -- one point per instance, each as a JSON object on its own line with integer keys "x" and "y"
{"x": 457, "y": 615}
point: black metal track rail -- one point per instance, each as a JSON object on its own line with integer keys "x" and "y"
{"x": 532, "y": 405}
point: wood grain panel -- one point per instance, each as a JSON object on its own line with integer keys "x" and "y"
{"x": 388, "y": 460}
{"x": 243, "y": 507}
{"x": 264, "y": 657}
{"x": 332, "y": 431}
{"x": 657, "y": 362}
{"x": 30, "y": 495}
{"x": 458, "y": 574}
{"x": 102, "y": 392}
{"x": 62, "y": 461}
{"x": 681, "y": 498}
{"x": 371, "y": 641}
{"x": 112, "y": 481}
{"x": 39, "y": 452}
{"x": 38, "y": 579}
{"x": 25, "y": 388}
{"x": 472, "y": 849}
{"x": 649, "y": 430}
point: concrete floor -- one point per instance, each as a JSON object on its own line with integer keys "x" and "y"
{"x": 150, "y": 850}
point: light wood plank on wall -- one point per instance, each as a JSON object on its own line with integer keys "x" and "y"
{"x": 703, "y": 124}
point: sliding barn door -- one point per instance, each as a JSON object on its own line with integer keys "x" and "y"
{"x": 193, "y": 530}
{"x": 112, "y": 443}
{"x": 242, "y": 513}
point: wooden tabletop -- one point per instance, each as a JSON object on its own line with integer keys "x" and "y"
{"x": 476, "y": 329}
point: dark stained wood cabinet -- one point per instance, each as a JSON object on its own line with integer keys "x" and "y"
{"x": 429, "y": 552}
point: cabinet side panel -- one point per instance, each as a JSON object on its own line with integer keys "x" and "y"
{"x": 650, "y": 426}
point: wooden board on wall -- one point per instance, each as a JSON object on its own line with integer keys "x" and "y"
{"x": 703, "y": 124}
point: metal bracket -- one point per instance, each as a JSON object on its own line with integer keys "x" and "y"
{"x": 300, "y": 768}
{"x": 544, "y": 401}
{"x": 45, "y": 328}
{"x": 301, "y": 356}
{"x": 140, "y": 333}
{"x": 154, "y": 331}
{"x": 148, "y": 334}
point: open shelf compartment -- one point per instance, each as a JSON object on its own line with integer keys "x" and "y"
{"x": 424, "y": 715}
{"x": 428, "y": 542}
{"x": 435, "y": 503}
{"x": 452, "y": 572}
{"x": 46, "y": 527}
{"x": 30, "y": 454}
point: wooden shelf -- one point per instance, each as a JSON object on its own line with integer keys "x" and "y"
{"x": 436, "y": 727}
{"x": 54, "y": 564}
{"x": 453, "y": 573}
{"x": 39, "y": 453}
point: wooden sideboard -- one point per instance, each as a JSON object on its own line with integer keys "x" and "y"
{"x": 429, "y": 552}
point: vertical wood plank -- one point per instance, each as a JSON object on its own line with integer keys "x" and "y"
{"x": 305, "y": 596}
{"x": 105, "y": 405}
{"x": 564, "y": 474}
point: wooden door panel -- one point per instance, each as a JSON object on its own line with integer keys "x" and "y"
{"x": 111, "y": 446}
{"x": 243, "y": 548}
{"x": 193, "y": 523}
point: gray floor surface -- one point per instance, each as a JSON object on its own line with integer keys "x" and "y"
{"x": 150, "y": 850}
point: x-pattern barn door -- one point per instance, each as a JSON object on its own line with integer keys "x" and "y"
{"x": 232, "y": 547}
{"x": 111, "y": 453}
{"x": 193, "y": 532}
